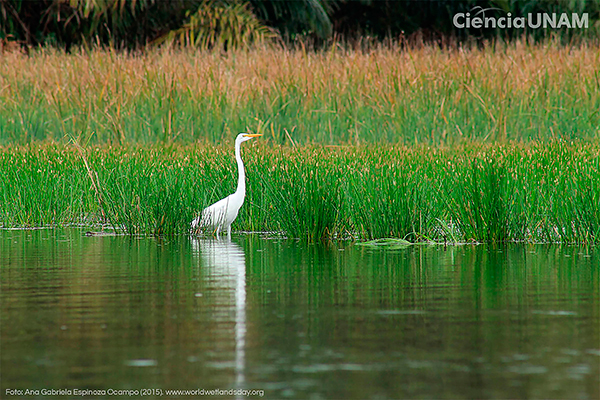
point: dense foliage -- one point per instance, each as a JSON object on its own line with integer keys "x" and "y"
{"x": 231, "y": 23}
{"x": 389, "y": 94}
{"x": 537, "y": 192}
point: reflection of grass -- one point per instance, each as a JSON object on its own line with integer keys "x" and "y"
{"x": 536, "y": 191}
{"x": 334, "y": 96}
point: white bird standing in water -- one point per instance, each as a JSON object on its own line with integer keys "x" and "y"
{"x": 222, "y": 214}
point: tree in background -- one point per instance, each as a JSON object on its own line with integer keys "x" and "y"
{"x": 233, "y": 23}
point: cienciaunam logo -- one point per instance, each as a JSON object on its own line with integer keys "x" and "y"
{"x": 478, "y": 19}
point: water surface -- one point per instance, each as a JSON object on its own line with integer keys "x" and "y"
{"x": 293, "y": 320}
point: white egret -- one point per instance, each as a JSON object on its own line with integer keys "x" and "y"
{"x": 222, "y": 214}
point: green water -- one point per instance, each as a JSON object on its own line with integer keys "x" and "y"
{"x": 292, "y": 320}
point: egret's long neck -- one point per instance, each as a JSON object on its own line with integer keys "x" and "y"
{"x": 241, "y": 188}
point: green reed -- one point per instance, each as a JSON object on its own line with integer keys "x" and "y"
{"x": 542, "y": 192}
{"x": 389, "y": 94}
{"x": 387, "y": 197}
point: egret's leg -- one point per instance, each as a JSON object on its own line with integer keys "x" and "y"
{"x": 218, "y": 230}
{"x": 229, "y": 232}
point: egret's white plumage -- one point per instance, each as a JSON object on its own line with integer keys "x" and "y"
{"x": 221, "y": 215}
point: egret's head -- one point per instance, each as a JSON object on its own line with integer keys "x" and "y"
{"x": 242, "y": 137}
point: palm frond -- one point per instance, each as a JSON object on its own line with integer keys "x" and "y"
{"x": 220, "y": 24}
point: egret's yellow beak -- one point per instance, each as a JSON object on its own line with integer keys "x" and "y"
{"x": 252, "y": 134}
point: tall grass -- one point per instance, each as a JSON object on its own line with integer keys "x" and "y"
{"x": 540, "y": 192}
{"x": 386, "y": 94}
{"x": 386, "y": 194}
{"x": 420, "y": 143}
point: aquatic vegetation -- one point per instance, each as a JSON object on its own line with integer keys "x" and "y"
{"x": 421, "y": 144}
{"x": 390, "y": 94}
{"x": 541, "y": 192}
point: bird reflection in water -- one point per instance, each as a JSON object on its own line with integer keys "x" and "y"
{"x": 225, "y": 266}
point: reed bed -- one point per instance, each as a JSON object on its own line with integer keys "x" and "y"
{"x": 538, "y": 192}
{"x": 498, "y": 143}
{"x": 385, "y": 94}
